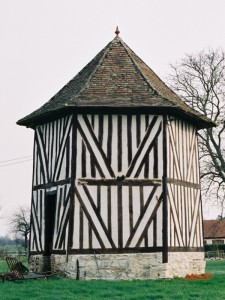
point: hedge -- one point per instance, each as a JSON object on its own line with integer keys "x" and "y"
{"x": 214, "y": 247}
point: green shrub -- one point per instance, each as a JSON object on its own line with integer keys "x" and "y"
{"x": 214, "y": 247}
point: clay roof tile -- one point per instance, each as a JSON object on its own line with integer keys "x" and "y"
{"x": 116, "y": 77}
{"x": 214, "y": 229}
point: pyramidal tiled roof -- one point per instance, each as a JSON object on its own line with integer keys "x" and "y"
{"x": 115, "y": 78}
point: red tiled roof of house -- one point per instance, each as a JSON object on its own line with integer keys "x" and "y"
{"x": 214, "y": 228}
{"x": 116, "y": 78}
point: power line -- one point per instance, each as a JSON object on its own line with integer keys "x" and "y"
{"x": 18, "y": 158}
{"x": 18, "y": 162}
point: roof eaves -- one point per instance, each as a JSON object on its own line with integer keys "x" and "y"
{"x": 189, "y": 111}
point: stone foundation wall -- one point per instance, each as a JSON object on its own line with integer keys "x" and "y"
{"x": 182, "y": 263}
{"x": 113, "y": 266}
{"x": 39, "y": 263}
{"x": 125, "y": 266}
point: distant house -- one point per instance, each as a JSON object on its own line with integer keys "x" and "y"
{"x": 214, "y": 232}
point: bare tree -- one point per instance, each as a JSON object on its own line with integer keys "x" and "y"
{"x": 200, "y": 81}
{"x": 20, "y": 223}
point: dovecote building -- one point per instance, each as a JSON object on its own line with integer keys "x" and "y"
{"x": 116, "y": 187}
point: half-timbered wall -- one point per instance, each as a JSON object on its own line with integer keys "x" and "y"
{"x": 183, "y": 186}
{"x": 52, "y": 151}
{"x": 118, "y": 186}
{"x": 51, "y": 173}
{"x": 118, "y": 183}
{"x": 60, "y": 234}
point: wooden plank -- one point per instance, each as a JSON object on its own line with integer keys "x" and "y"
{"x": 94, "y": 147}
{"x": 138, "y": 130}
{"x": 154, "y": 212}
{"x": 152, "y": 132}
{"x": 94, "y": 217}
{"x": 124, "y": 144}
{"x": 191, "y": 160}
{"x": 129, "y": 139}
{"x": 125, "y": 213}
{"x": 120, "y": 217}
{"x": 165, "y": 208}
{"x": 93, "y": 170}
{"x": 42, "y": 155}
{"x": 183, "y": 183}
{"x": 119, "y": 136}
{"x": 51, "y": 184}
{"x": 109, "y": 212}
{"x": 118, "y": 182}
{"x": 83, "y": 160}
{"x": 175, "y": 217}
{"x": 172, "y": 141}
{"x": 73, "y": 175}
{"x": 92, "y": 220}
{"x": 118, "y": 250}
{"x": 81, "y": 232}
{"x": 92, "y": 153}
{"x": 142, "y": 220}
{"x": 109, "y": 141}
{"x": 130, "y": 209}
{"x": 64, "y": 216}
{"x": 114, "y": 214}
{"x": 155, "y": 163}
{"x": 36, "y": 226}
{"x": 194, "y": 217}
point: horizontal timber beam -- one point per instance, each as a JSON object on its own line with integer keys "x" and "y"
{"x": 51, "y": 184}
{"x": 122, "y": 250}
{"x": 43, "y": 253}
{"x": 115, "y": 250}
{"x": 183, "y": 183}
{"x": 185, "y": 249}
{"x": 120, "y": 182}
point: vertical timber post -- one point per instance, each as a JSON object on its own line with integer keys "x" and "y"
{"x": 202, "y": 239}
{"x": 73, "y": 174}
{"x": 164, "y": 186}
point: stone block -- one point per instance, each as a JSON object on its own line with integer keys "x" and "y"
{"x": 128, "y": 266}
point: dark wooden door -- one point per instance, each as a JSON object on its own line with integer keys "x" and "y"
{"x": 50, "y": 208}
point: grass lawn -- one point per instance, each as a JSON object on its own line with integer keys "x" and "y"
{"x": 59, "y": 288}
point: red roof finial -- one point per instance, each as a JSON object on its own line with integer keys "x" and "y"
{"x": 117, "y": 32}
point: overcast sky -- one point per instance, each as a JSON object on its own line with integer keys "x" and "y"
{"x": 44, "y": 43}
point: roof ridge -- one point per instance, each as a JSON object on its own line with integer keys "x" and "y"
{"x": 105, "y": 50}
{"x": 145, "y": 77}
{"x": 115, "y": 77}
{"x": 157, "y": 92}
{"x": 136, "y": 65}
